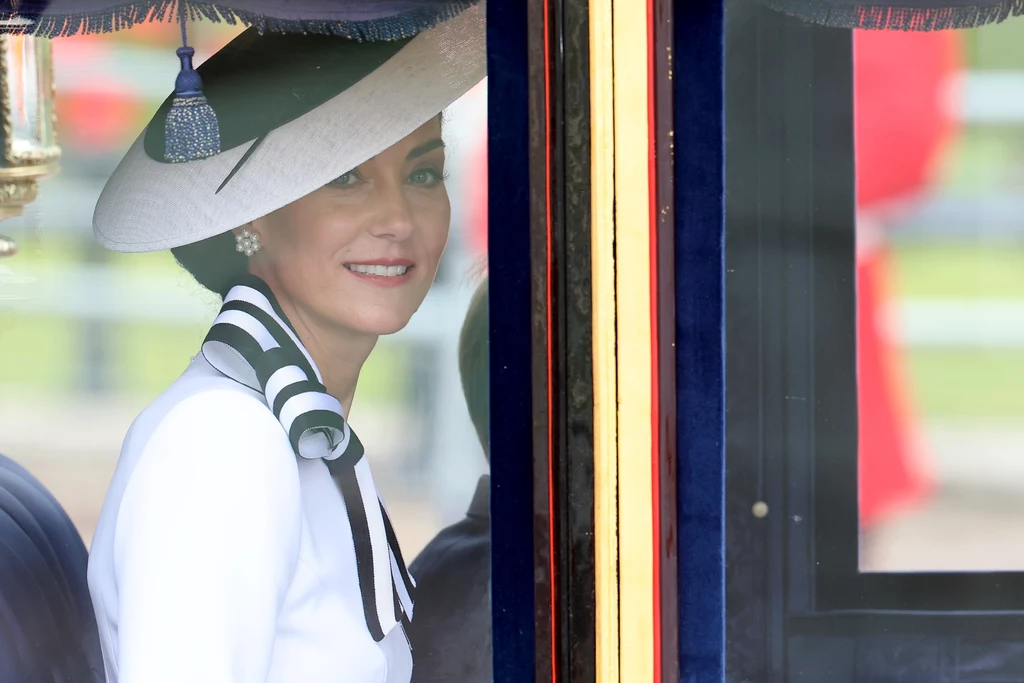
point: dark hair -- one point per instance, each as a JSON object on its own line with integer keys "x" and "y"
{"x": 474, "y": 365}
{"x": 213, "y": 262}
{"x": 48, "y": 628}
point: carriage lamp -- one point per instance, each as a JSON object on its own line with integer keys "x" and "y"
{"x": 27, "y": 139}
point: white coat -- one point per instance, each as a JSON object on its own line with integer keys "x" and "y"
{"x": 221, "y": 556}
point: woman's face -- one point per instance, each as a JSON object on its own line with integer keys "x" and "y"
{"x": 362, "y": 252}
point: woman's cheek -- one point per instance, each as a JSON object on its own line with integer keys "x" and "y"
{"x": 444, "y": 225}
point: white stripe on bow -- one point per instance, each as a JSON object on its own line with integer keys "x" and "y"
{"x": 382, "y": 576}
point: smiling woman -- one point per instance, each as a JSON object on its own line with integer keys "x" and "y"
{"x": 356, "y": 257}
{"x": 321, "y": 225}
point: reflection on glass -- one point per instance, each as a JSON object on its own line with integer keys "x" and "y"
{"x": 28, "y": 80}
{"x": 23, "y": 92}
{"x": 940, "y": 230}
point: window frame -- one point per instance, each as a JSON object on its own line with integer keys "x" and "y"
{"x": 542, "y": 464}
{"x": 792, "y": 387}
{"x": 509, "y": 300}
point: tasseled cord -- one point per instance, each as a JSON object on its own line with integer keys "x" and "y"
{"x": 191, "y": 131}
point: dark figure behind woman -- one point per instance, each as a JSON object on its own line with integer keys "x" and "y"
{"x": 451, "y": 628}
{"x": 47, "y": 626}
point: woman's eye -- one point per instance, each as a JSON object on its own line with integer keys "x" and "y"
{"x": 427, "y": 177}
{"x": 350, "y": 178}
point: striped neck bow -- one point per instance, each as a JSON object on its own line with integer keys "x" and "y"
{"x": 252, "y": 343}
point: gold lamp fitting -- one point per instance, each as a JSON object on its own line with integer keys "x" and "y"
{"x": 27, "y": 118}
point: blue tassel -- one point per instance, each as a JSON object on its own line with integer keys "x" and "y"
{"x": 191, "y": 131}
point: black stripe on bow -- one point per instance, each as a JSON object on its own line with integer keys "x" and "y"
{"x": 236, "y": 338}
{"x": 293, "y": 390}
{"x": 349, "y": 485}
{"x": 399, "y": 612}
{"x": 316, "y": 419}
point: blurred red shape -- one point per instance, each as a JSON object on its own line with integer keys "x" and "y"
{"x": 902, "y": 127}
{"x": 902, "y": 123}
{"x": 98, "y": 121}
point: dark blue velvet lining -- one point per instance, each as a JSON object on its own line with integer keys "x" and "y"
{"x": 512, "y": 424}
{"x": 47, "y": 625}
{"x": 700, "y": 342}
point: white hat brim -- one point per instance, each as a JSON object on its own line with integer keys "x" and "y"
{"x": 148, "y": 205}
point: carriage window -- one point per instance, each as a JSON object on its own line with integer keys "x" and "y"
{"x": 90, "y": 337}
{"x": 872, "y": 274}
{"x": 939, "y": 121}
{"x": 870, "y": 225}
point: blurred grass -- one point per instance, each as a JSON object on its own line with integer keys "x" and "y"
{"x": 981, "y": 161}
{"x": 997, "y": 46}
{"x": 976, "y": 384}
{"x": 147, "y": 357}
{"x": 962, "y": 383}
{"x": 144, "y": 357}
{"x": 37, "y": 352}
{"x": 958, "y": 271}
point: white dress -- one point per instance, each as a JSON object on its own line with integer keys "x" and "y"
{"x": 221, "y": 556}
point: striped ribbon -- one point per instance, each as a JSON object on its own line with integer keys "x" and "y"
{"x": 252, "y": 343}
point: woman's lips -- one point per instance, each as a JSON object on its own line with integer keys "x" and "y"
{"x": 384, "y": 273}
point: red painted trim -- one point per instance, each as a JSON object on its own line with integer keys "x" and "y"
{"x": 550, "y": 349}
{"x": 652, "y": 191}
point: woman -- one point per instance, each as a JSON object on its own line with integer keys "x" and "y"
{"x": 242, "y": 539}
{"x": 47, "y": 630}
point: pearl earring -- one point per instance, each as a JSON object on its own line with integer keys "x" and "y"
{"x": 247, "y": 243}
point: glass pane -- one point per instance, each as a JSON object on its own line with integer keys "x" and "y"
{"x": 23, "y": 92}
{"x": 91, "y": 337}
{"x": 940, "y": 135}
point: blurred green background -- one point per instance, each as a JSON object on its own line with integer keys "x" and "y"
{"x": 985, "y": 163}
{"x": 49, "y": 346}
{"x": 963, "y": 382}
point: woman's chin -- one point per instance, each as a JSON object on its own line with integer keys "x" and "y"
{"x": 381, "y": 326}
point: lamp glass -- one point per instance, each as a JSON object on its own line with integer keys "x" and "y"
{"x": 28, "y": 86}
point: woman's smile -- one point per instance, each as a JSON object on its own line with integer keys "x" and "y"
{"x": 382, "y": 272}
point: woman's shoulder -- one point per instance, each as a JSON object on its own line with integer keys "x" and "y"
{"x": 204, "y": 397}
{"x": 205, "y": 419}
{"x": 204, "y": 457}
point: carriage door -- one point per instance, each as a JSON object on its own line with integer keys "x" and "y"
{"x": 874, "y": 282}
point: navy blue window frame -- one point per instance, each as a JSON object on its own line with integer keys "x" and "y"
{"x": 508, "y": 168}
{"x": 798, "y": 608}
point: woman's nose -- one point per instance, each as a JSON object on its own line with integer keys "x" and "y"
{"x": 395, "y": 218}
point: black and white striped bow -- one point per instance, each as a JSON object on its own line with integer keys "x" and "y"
{"x": 252, "y": 343}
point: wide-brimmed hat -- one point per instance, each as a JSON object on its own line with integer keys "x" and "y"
{"x": 294, "y": 113}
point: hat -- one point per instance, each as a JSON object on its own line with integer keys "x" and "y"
{"x": 294, "y": 112}
{"x": 900, "y": 15}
